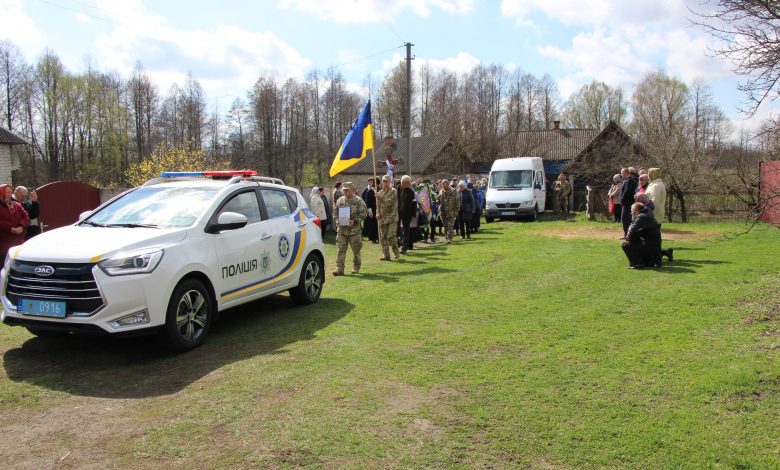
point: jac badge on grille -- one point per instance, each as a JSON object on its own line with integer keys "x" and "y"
{"x": 44, "y": 270}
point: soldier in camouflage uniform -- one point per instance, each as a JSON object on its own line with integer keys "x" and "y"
{"x": 387, "y": 215}
{"x": 349, "y": 234}
{"x": 449, "y": 205}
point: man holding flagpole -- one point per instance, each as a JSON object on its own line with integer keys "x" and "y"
{"x": 350, "y": 210}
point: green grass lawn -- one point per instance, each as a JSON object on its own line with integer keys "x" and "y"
{"x": 530, "y": 345}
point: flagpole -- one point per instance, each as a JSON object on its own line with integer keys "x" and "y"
{"x": 376, "y": 188}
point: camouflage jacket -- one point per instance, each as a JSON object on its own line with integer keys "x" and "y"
{"x": 357, "y": 213}
{"x": 387, "y": 206}
{"x": 449, "y": 203}
{"x": 561, "y": 189}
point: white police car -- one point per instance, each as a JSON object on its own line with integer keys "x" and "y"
{"x": 166, "y": 257}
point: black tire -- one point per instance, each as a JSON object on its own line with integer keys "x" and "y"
{"x": 310, "y": 284}
{"x": 535, "y": 214}
{"x": 189, "y": 315}
{"x": 45, "y": 333}
{"x": 488, "y": 219}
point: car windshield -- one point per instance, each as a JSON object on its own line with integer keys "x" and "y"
{"x": 515, "y": 179}
{"x": 158, "y": 207}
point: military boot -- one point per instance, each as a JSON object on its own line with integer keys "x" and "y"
{"x": 338, "y": 272}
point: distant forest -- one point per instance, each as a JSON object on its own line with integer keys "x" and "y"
{"x": 93, "y": 126}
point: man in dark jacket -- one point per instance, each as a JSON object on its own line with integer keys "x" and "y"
{"x": 643, "y": 239}
{"x": 627, "y": 192}
{"x": 407, "y": 209}
{"x": 29, "y": 201}
{"x": 467, "y": 207}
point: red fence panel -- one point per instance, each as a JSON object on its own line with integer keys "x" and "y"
{"x": 61, "y": 202}
{"x": 770, "y": 191}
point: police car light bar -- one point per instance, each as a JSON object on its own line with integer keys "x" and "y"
{"x": 208, "y": 174}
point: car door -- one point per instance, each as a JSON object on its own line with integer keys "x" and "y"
{"x": 287, "y": 231}
{"x": 240, "y": 251}
{"x": 539, "y": 190}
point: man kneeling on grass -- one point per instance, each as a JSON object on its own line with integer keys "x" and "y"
{"x": 643, "y": 239}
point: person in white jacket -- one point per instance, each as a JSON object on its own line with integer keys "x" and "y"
{"x": 318, "y": 207}
{"x": 656, "y": 191}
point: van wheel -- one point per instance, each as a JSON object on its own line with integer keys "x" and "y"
{"x": 189, "y": 315}
{"x": 535, "y": 214}
{"x": 488, "y": 219}
{"x": 310, "y": 284}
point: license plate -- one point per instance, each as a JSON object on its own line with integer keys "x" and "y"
{"x": 42, "y": 308}
{"x": 507, "y": 213}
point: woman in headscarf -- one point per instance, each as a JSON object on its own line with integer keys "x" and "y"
{"x": 614, "y": 196}
{"x": 13, "y": 221}
{"x": 318, "y": 207}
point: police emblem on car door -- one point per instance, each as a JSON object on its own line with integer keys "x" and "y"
{"x": 240, "y": 251}
{"x": 288, "y": 231}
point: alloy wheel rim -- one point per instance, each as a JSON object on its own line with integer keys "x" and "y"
{"x": 312, "y": 282}
{"x": 191, "y": 315}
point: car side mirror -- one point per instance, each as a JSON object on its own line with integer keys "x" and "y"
{"x": 227, "y": 221}
{"x": 538, "y": 185}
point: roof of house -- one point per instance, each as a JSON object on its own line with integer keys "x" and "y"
{"x": 550, "y": 144}
{"x": 424, "y": 150}
{"x": 612, "y": 126}
{"x": 9, "y": 138}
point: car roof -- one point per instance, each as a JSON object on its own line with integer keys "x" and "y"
{"x": 214, "y": 183}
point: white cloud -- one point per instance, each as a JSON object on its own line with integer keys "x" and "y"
{"x": 226, "y": 57}
{"x": 19, "y": 28}
{"x": 82, "y": 18}
{"x": 600, "y": 56}
{"x": 597, "y": 12}
{"x": 372, "y": 11}
{"x": 461, "y": 63}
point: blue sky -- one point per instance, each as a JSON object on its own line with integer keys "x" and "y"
{"x": 228, "y": 44}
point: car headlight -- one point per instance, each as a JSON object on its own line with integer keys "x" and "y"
{"x": 139, "y": 262}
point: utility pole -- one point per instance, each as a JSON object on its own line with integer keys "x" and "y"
{"x": 409, "y": 102}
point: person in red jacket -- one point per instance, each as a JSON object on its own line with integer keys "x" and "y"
{"x": 13, "y": 221}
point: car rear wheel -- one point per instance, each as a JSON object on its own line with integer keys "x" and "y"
{"x": 488, "y": 219}
{"x": 189, "y": 316}
{"x": 310, "y": 284}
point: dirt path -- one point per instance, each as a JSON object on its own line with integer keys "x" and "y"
{"x": 79, "y": 432}
{"x": 614, "y": 232}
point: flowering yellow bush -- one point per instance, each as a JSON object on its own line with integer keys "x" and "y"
{"x": 172, "y": 159}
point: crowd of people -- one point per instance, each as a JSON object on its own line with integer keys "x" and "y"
{"x": 18, "y": 217}
{"x": 397, "y": 213}
{"x": 637, "y": 199}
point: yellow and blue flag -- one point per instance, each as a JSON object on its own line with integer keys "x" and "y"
{"x": 359, "y": 140}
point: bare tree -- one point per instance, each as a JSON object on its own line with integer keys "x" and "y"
{"x": 747, "y": 31}
{"x": 662, "y": 125}
{"x": 12, "y": 76}
{"x": 594, "y": 106}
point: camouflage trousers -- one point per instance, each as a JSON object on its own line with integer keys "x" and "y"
{"x": 388, "y": 238}
{"x": 355, "y": 242}
{"x": 561, "y": 204}
{"x": 448, "y": 223}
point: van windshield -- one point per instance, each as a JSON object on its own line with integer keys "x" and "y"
{"x": 514, "y": 179}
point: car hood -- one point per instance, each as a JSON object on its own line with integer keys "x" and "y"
{"x": 84, "y": 244}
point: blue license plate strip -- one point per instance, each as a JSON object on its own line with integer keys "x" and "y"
{"x": 43, "y": 308}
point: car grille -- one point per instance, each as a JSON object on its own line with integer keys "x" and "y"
{"x": 70, "y": 283}
{"x": 508, "y": 205}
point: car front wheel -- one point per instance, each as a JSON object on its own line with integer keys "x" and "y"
{"x": 189, "y": 315}
{"x": 310, "y": 284}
